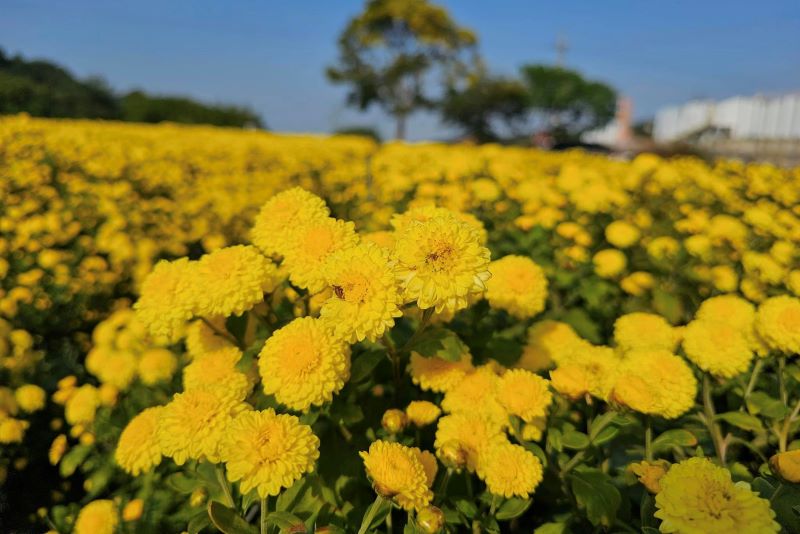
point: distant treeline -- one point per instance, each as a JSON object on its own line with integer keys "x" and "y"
{"x": 44, "y": 89}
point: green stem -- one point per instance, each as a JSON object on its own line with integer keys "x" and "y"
{"x": 713, "y": 427}
{"x": 370, "y": 515}
{"x": 264, "y": 513}
{"x": 423, "y": 324}
{"x": 389, "y": 522}
{"x": 221, "y": 333}
{"x": 575, "y": 460}
{"x": 493, "y": 507}
{"x": 226, "y": 489}
{"x": 782, "y": 380}
{"x": 648, "y": 439}
{"x": 440, "y": 491}
{"x": 777, "y": 492}
{"x": 751, "y": 384}
{"x": 783, "y": 438}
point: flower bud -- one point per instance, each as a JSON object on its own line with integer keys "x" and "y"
{"x": 787, "y": 465}
{"x": 430, "y": 520}
{"x": 198, "y": 497}
{"x": 650, "y": 473}
{"x": 133, "y": 510}
{"x": 453, "y": 455}
{"x": 394, "y": 421}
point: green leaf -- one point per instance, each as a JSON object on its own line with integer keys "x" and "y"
{"x": 583, "y": 325}
{"x": 286, "y": 521}
{"x": 650, "y": 530}
{"x": 759, "y": 403}
{"x": 439, "y": 342}
{"x": 383, "y": 507}
{"x": 512, "y": 508}
{"x": 504, "y": 350}
{"x": 599, "y": 422}
{"x": 228, "y": 521}
{"x": 595, "y": 493}
{"x": 73, "y": 459}
{"x": 551, "y": 528}
{"x": 742, "y": 420}
{"x": 605, "y": 435}
{"x": 554, "y": 439}
{"x": 572, "y": 439}
{"x": 668, "y": 305}
{"x": 198, "y": 523}
{"x": 364, "y": 364}
{"x": 182, "y": 483}
{"x": 674, "y": 438}
{"x": 467, "y": 508}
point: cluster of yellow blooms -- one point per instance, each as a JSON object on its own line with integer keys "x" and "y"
{"x": 266, "y": 270}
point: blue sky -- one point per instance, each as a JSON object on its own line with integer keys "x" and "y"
{"x": 271, "y": 55}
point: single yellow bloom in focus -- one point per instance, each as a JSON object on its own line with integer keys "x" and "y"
{"x": 698, "y": 497}
{"x": 441, "y": 263}
{"x": 524, "y": 394}
{"x": 303, "y": 364}
{"x": 268, "y": 451}
{"x": 510, "y": 470}
{"x": 397, "y": 472}
{"x": 717, "y": 347}
{"x": 778, "y": 322}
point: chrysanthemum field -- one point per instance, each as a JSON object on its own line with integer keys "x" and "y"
{"x": 216, "y": 330}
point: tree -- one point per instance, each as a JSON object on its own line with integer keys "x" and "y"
{"x": 568, "y": 103}
{"x": 390, "y": 50}
{"x": 141, "y": 107}
{"x": 485, "y": 104}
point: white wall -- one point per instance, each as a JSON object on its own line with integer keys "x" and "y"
{"x": 755, "y": 117}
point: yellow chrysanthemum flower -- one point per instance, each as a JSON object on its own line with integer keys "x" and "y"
{"x": 97, "y": 517}
{"x": 303, "y": 364}
{"x": 595, "y": 373}
{"x": 622, "y": 234}
{"x": 510, "y": 470}
{"x": 517, "y": 285}
{"x": 365, "y": 299}
{"x": 217, "y": 369}
{"x": 477, "y": 393}
{"x": 192, "y": 425}
{"x": 650, "y": 473}
{"x": 30, "y": 398}
{"x": 737, "y": 312}
{"x": 717, "y": 347}
{"x": 397, "y": 472}
{"x": 313, "y": 243}
{"x": 655, "y": 382}
{"x": 422, "y": 413}
{"x": 609, "y": 263}
{"x": 437, "y": 374}
{"x": 470, "y": 434}
{"x": 268, "y": 451}
{"x": 440, "y": 263}
{"x": 82, "y": 405}
{"x": 12, "y": 430}
{"x": 133, "y": 510}
{"x": 232, "y": 280}
{"x": 698, "y": 497}
{"x": 401, "y": 221}
{"x": 167, "y": 300}
{"x": 524, "y": 394}
{"x": 138, "y": 449}
{"x": 778, "y": 323}
{"x": 57, "y": 449}
{"x": 157, "y": 365}
{"x": 637, "y": 283}
{"x": 280, "y": 217}
{"x": 644, "y": 331}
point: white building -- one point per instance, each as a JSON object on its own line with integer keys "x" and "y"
{"x": 752, "y": 118}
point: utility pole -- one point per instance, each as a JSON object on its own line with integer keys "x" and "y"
{"x": 562, "y": 46}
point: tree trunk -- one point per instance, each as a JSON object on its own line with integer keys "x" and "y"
{"x": 400, "y": 132}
